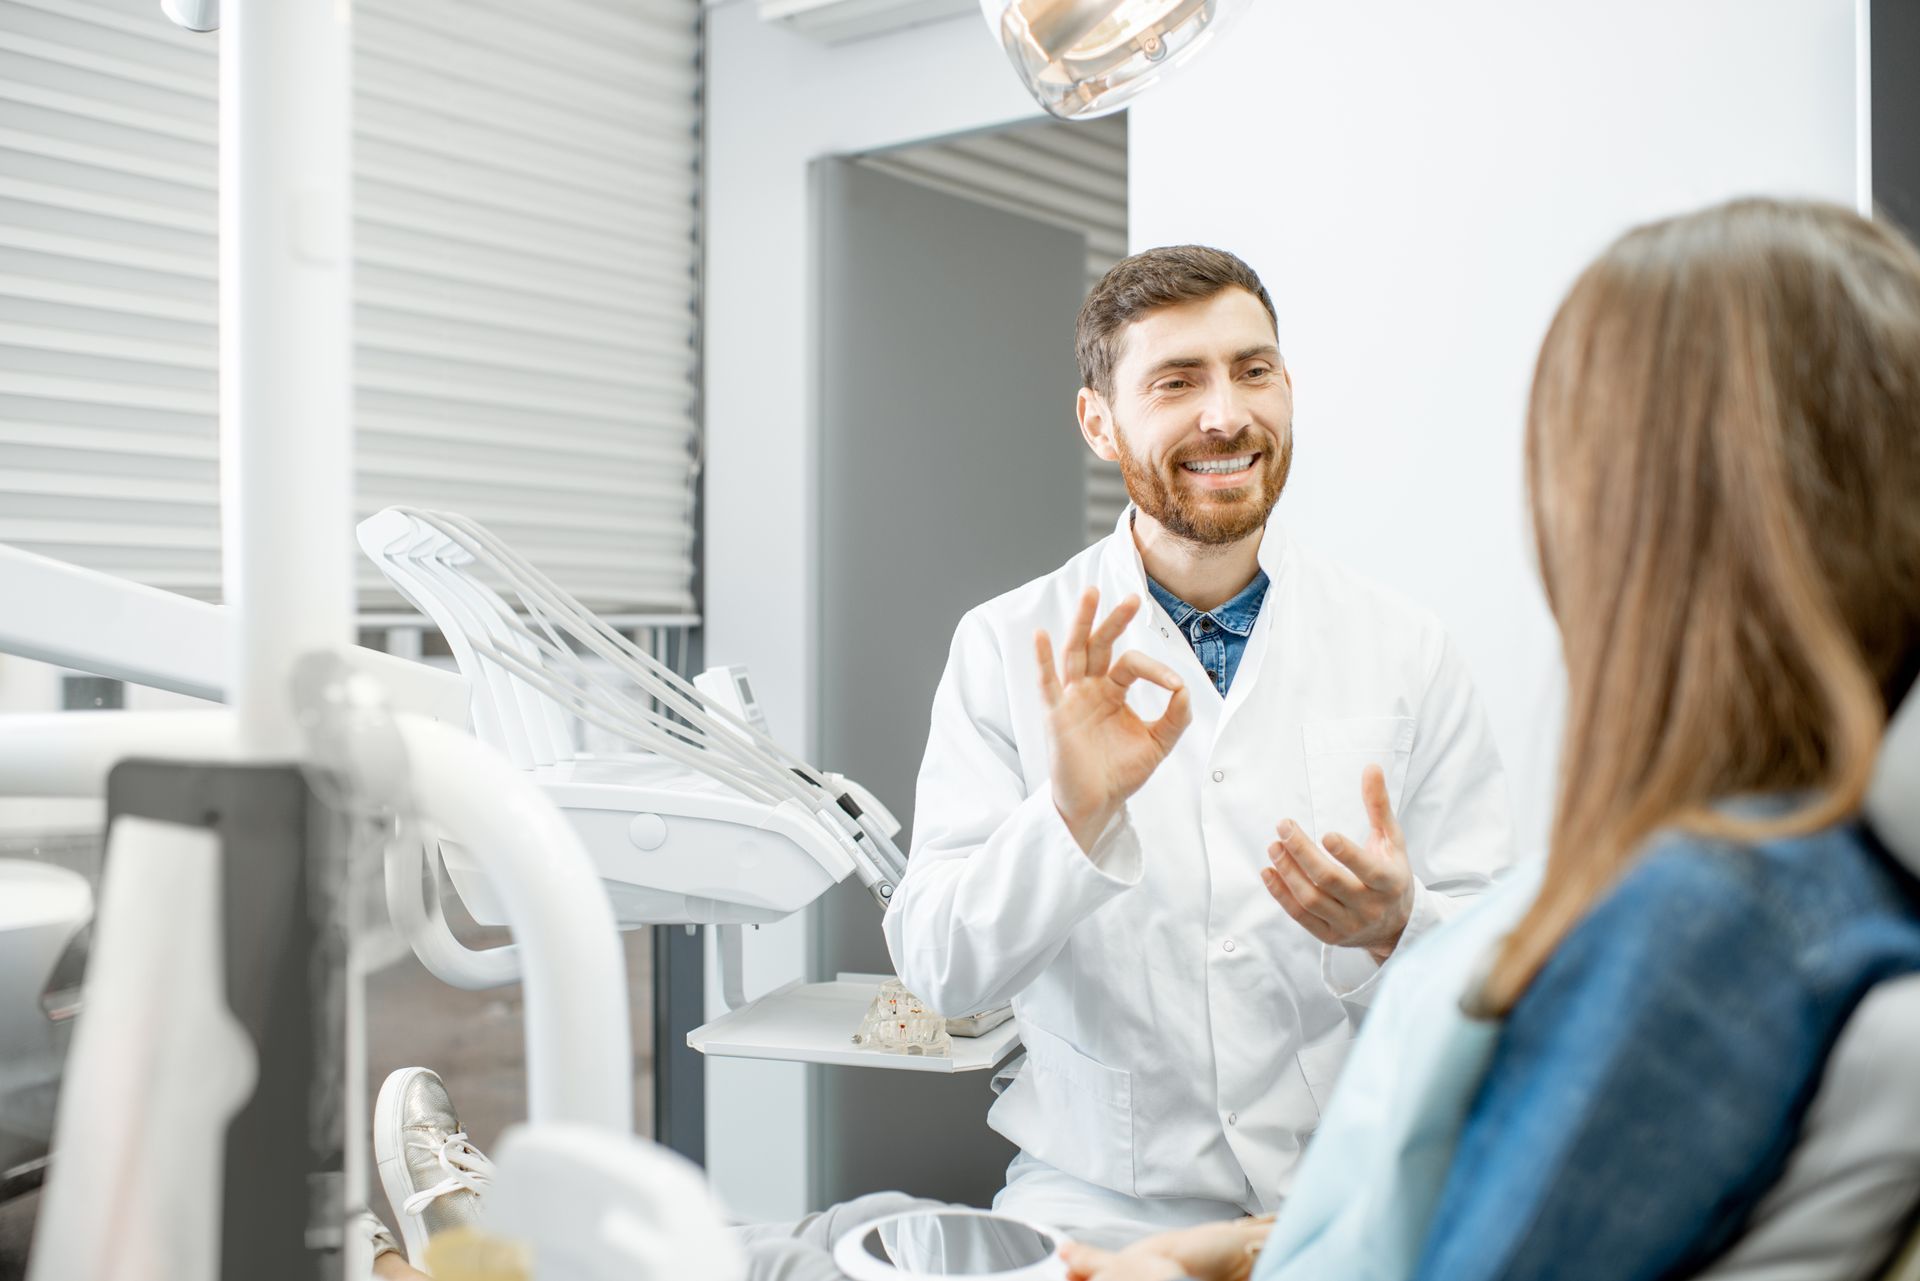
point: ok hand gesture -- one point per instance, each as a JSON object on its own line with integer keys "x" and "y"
{"x": 1101, "y": 751}
{"x": 1345, "y": 894}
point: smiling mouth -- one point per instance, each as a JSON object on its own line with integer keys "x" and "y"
{"x": 1220, "y": 466}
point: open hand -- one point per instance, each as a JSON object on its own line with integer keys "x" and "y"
{"x": 1222, "y": 1251}
{"x": 1101, "y": 751}
{"x": 1087, "y": 1263}
{"x": 1345, "y": 894}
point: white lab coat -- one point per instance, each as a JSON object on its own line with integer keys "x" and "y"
{"x": 1181, "y": 1031}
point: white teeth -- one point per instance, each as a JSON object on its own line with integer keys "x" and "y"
{"x": 1219, "y": 466}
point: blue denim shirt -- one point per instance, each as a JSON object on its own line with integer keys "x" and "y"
{"x": 1647, "y": 1088}
{"x": 1219, "y": 635}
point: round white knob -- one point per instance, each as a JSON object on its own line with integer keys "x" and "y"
{"x": 647, "y": 831}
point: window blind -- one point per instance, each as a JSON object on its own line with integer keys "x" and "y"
{"x": 525, "y": 213}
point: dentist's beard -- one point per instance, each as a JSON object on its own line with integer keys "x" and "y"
{"x": 1210, "y": 517}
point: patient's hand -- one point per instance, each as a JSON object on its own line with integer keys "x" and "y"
{"x": 1210, "y": 1252}
{"x": 1345, "y": 894}
{"x": 1085, "y": 1263}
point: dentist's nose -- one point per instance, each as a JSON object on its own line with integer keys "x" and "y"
{"x": 1220, "y": 411}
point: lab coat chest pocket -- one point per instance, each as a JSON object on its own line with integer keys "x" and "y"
{"x": 1320, "y": 1064}
{"x": 1337, "y": 751}
{"x": 1082, "y": 1111}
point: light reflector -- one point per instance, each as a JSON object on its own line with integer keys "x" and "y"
{"x": 1087, "y": 58}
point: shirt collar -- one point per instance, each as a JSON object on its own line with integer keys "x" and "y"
{"x": 1237, "y": 615}
{"x": 1178, "y": 610}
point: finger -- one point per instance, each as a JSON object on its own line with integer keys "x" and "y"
{"x": 1083, "y": 1260}
{"x": 1321, "y": 869}
{"x": 1313, "y": 900}
{"x": 1049, "y": 677}
{"x": 1073, "y": 656}
{"x": 1373, "y": 790}
{"x": 1174, "y": 721}
{"x": 1355, "y": 858}
{"x": 1100, "y": 644}
{"x": 1292, "y": 906}
{"x": 1134, "y": 665}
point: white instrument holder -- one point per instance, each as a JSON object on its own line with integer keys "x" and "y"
{"x": 708, "y": 822}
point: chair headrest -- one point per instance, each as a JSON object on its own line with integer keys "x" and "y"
{"x": 1893, "y": 802}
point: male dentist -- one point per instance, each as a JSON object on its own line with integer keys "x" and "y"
{"x": 1095, "y": 820}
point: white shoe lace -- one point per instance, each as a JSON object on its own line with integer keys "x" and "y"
{"x": 468, "y": 1169}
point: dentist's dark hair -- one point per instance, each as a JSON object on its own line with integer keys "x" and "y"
{"x": 1146, "y": 282}
{"x": 1723, "y": 456}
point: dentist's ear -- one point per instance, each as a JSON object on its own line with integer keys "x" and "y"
{"x": 1096, "y": 424}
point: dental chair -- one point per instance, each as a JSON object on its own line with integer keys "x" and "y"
{"x": 1845, "y": 1188}
{"x": 1894, "y": 812}
{"x": 707, "y": 822}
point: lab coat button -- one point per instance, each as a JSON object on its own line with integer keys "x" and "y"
{"x": 1219, "y": 776}
{"x": 1227, "y": 946}
{"x": 1233, "y": 1118}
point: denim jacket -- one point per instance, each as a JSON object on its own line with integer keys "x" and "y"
{"x": 1641, "y": 1097}
{"x": 1647, "y": 1090}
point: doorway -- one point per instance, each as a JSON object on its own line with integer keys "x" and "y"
{"x": 948, "y": 278}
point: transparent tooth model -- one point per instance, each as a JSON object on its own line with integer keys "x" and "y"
{"x": 898, "y": 1022}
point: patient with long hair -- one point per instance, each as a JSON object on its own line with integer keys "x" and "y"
{"x": 1620, "y": 1066}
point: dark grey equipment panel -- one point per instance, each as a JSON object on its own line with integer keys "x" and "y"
{"x": 1895, "y": 33}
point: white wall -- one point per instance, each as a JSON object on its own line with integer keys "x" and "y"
{"x": 775, "y": 102}
{"x": 1418, "y": 184}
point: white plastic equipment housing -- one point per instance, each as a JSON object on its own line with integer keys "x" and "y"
{"x": 593, "y": 1205}
{"x": 712, "y": 823}
{"x": 159, "y": 1066}
{"x": 725, "y": 860}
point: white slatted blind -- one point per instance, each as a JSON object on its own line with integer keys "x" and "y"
{"x": 1071, "y": 174}
{"x": 525, "y": 284}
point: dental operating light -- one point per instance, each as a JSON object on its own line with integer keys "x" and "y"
{"x": 1087, "y": 58}
{"x": 194, "y": 15}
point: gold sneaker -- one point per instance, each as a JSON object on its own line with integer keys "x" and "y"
{"x": 435, "y": 1179}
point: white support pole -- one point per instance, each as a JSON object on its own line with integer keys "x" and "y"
{"x": 71, "y": 753}
{"x": 579, "y": 1045}
{"x": 1863, "y": 106}
{"x": 286, "y": 445}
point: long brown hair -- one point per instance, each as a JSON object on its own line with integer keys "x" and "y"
{"x": 1723, "y": 456}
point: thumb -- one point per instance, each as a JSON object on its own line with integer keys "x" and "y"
{"x": 1174, "y": 721}
{"x": 1373, "y": 791}
{"x": 1082, "y": 1260}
